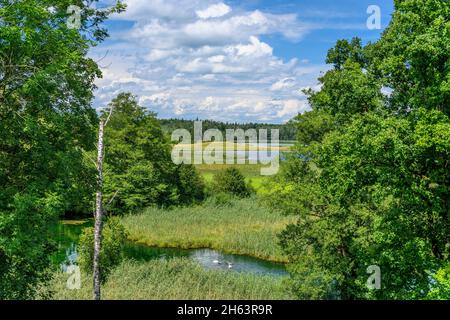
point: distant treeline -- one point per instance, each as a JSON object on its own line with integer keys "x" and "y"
{"x": 287, "y": 131}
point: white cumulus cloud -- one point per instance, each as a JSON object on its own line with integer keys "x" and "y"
{"x": 214, "y": 11}
{"x": 205, "y": 59}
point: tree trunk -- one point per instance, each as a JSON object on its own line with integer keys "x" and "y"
{"x": 98, "y": 213}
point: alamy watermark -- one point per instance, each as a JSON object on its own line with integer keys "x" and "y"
{"x": 374, "y": 280}
{"x": 74, "y": 280}
{"x": 374, "y": 20}
{"x": 74, "y": 20}
{"x": 240, "y": 147}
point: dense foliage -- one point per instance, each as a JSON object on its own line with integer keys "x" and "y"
{"x": 114, "y": 237}
{"x": 370, "y": 181}
{"x": 139, "y": 171}
{"x": 46, "y": 120}
{"x": 231, "y": 181}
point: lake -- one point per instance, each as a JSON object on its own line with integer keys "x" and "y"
{"x": 67, "y": 233}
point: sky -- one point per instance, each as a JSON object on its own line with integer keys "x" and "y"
{"x": 235, "y": 61}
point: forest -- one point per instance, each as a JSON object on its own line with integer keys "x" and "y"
{"x": 363, "y": 186}
{"x": 287, "y": 131}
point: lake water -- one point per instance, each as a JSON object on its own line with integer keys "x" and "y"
{"x": 68, "y": 232}
{"x": 263, "y": 156}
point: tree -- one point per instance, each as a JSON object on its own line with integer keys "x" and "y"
{"x": 412, "y": 57}
{"x": 46, "y": 121}
{"x": 139, "y": 171}
{"x": 191, "y": 185}
{"x": 374, "y": 190}
{"x": 231, "y": 181}
{"x": 377, "y": 201}
{"x": 312, "y": 126}
{"x": 347, "y": 91}
{"x": 114, "y": 237}
{"x": 346, "y": 51}
{"x": 98, "y": 223}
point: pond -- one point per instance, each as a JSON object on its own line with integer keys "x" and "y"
{"x": 67, "y": 233}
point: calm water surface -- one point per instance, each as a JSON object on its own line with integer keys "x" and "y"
{"x": 67, "y": 233}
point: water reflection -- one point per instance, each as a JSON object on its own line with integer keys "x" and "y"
{"x": 68, "y": 234}
{"x": 208, "y": 259}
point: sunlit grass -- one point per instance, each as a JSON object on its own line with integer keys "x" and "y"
{"x": 174, "y": 279}
{"x": 252, "y": 172}
{"x": 244, "y": 227}
{"x": 248, "y": 170}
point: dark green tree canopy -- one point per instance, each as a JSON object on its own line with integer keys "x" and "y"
{"x": 46, "y": 121}
{"x": 413, "y": 56}
{"x": 139, "y": 171}
{"x": 346, "y": 51}
{"x": 370, "y": 179}
{"x": 347, "y": 91}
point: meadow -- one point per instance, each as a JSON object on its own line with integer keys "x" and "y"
{"x": 251, "y": 172}
{"x": 243, "y": 227}
{"x": 173, "y": 279}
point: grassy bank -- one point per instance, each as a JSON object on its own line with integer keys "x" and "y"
{"x": 242, "y": 227}
{"x": 174, "y": 279}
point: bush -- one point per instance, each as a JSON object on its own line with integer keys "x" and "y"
{"x": 231, "y": 181}
{"x": 190, "y": 185}
{"x": 111, "y": 255}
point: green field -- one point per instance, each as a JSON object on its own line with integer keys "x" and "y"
{"x": 251, "y": 172}
{"x": 174, "y": 279}
{"x": 241, "y": 227}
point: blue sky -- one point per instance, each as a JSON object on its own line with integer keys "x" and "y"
{"x": 236, "y": 61}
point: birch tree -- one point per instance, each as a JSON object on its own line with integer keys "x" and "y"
{"x": 99, "y": 208}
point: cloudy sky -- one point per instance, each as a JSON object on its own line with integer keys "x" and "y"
{"x": 236, "y": 61}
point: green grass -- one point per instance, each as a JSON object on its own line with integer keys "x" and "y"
{"x": 242, "y": 227}
{"x": 248, "y": 170}
{"x": 173, "y": 279}
{"x": 252, "y": 172}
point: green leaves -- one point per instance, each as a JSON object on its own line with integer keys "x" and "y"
{"x": 346, "y": 51}
{"x": 139, "y": 171}
{"x": 46, "y": 122}
{"x": 371, "y": 180}
{"x": 376, "y": 208}
{"x": 414, "y": 55}
{"x": 347, "y": 91}
{"x": 231, "y": 181}
{"x": 114, "y": 237}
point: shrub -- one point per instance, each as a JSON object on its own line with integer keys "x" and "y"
{"x": 231, "y": 181}
{"x": 190, "y": 185}
{"x": 113, "y": 240}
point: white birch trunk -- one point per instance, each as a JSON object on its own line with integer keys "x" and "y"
{"x": 98, "y": 213}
